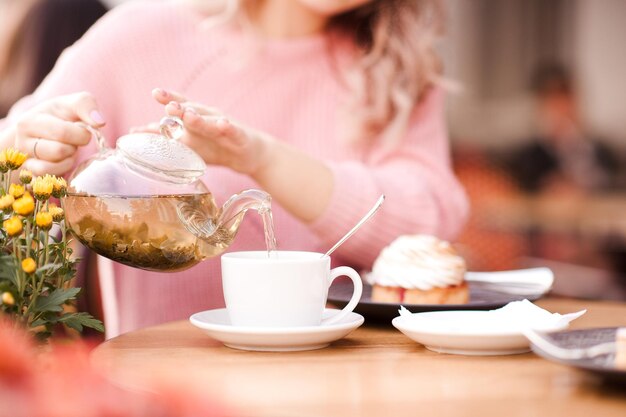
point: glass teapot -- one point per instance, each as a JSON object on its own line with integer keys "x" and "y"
{"x": 142, "y": 204}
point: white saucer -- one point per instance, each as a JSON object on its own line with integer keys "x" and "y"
{"x": 216, "y": 324}
{"x": 465, "y": 332}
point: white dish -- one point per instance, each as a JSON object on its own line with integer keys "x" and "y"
{"x": 216, "y": 324}
{"x": 517, "y": 282}
{"x": 465, "y": 332}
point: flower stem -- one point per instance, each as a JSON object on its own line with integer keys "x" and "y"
{"x": 63, "y": 225}
{"x": 38, "y": 283}
{"x": 64, "y": 243}
{"x": 20, "y": 283}
{"x": 45, "y": 246}
{"x": 6, "y": 178}
{"x": 29, "y": 238}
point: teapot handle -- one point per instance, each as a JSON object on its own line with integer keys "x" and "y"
{"x": 101, "y": 141}
{"x": 172, "y": 127}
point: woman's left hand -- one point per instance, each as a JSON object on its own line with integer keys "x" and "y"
{"x": 276, "y": 167}
{"x": 216, "y": 138}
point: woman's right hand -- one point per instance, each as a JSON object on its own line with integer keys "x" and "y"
{"x": 50, "y": 135}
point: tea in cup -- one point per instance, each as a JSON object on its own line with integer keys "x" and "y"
{"x": 285, "y": 289}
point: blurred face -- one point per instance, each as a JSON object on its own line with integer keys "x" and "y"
{"x": 557, "y": 112}
{"x": 297, "y": 17}
{"x": 330, "y": 8}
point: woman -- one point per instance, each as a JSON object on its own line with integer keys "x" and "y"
{"x": 324, "y": 104}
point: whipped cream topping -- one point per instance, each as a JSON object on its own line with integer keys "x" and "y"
{"x": 418, "y": 262}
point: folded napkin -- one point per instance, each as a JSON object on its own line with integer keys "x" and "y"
{"x": 519, "y": 281}
{"x": 515, "y": 316}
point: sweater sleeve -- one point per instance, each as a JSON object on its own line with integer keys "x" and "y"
{"x": 422, "y": 193}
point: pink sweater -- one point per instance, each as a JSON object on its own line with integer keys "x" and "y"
{"x": 288, "y": 88}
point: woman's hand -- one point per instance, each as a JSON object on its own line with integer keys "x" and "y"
{"x": 217, "y": 139}
{"x": 50, "y": 135}
{"x": 278, "y": 168}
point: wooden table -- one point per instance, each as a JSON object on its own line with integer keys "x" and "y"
{"x": 375, "y": 371}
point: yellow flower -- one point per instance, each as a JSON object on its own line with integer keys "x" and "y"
{"x": 8, "y": 299}
{"x": 29, "y": 265}
{"x": 44, "y": 220}
{"x": 43, "y": 186}
{"x": 59, "y": 188}
{"x": 57, "y": 213}
{"x": 6, "y": 202}
{"x": 25, "y": 205}
{"x": 26, "y": 176}
{"x": 16, "y": 190}
{"x": 13, "y": 226}
{"x": 14, "y": 158}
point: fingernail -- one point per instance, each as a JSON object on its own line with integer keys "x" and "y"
{"x": 96, "y": 117}
{"x": 176, "y": 104}
{"x": 162, "y": 92}
{"x": 222, "y": 122}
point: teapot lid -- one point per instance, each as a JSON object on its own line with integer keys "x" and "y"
{"x": 164, "y": 153}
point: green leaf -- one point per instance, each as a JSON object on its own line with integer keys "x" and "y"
{"x": 55, "y": 300}
{"x": 78, "y": 320}
{"x": 48, "y": 267}
{"x": 39, "y": 322}
{"x": 8, "y": 268}
{"x": 43, "y": 336}
{"x": 47, "y": 319}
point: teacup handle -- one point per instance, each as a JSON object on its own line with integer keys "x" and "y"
{"x": 356, "y": 295}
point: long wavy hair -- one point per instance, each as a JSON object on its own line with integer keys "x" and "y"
{"x": 396, "y": 62}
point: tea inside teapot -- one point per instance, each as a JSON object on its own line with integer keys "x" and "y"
{"x": 152, "y": 212}
{"x": 143, "y": 232}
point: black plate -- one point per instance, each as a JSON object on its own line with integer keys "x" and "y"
{"x": 602, "y": 366}
{"x": 480, "y": 299}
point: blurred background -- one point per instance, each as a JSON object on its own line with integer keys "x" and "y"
{"x": 536, "y": 114}
{"x": 539, "y": 137}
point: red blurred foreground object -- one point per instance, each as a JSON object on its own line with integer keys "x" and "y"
{"x": 58, "y": 381}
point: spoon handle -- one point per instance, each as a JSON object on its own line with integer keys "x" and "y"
{"x": 365, "y": 218}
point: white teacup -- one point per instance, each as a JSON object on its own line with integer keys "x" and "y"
{"x": 290, "y": 288}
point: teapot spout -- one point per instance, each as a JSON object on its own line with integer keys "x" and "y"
{"x": 235, "y": 208}
{"x": 218, "y": 231}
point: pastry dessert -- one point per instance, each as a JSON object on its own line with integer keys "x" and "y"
{"x": 620, "y": 348}
{"x": 419, "y": 269}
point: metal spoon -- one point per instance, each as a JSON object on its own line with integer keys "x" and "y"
{"x": 365, "y": 218}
